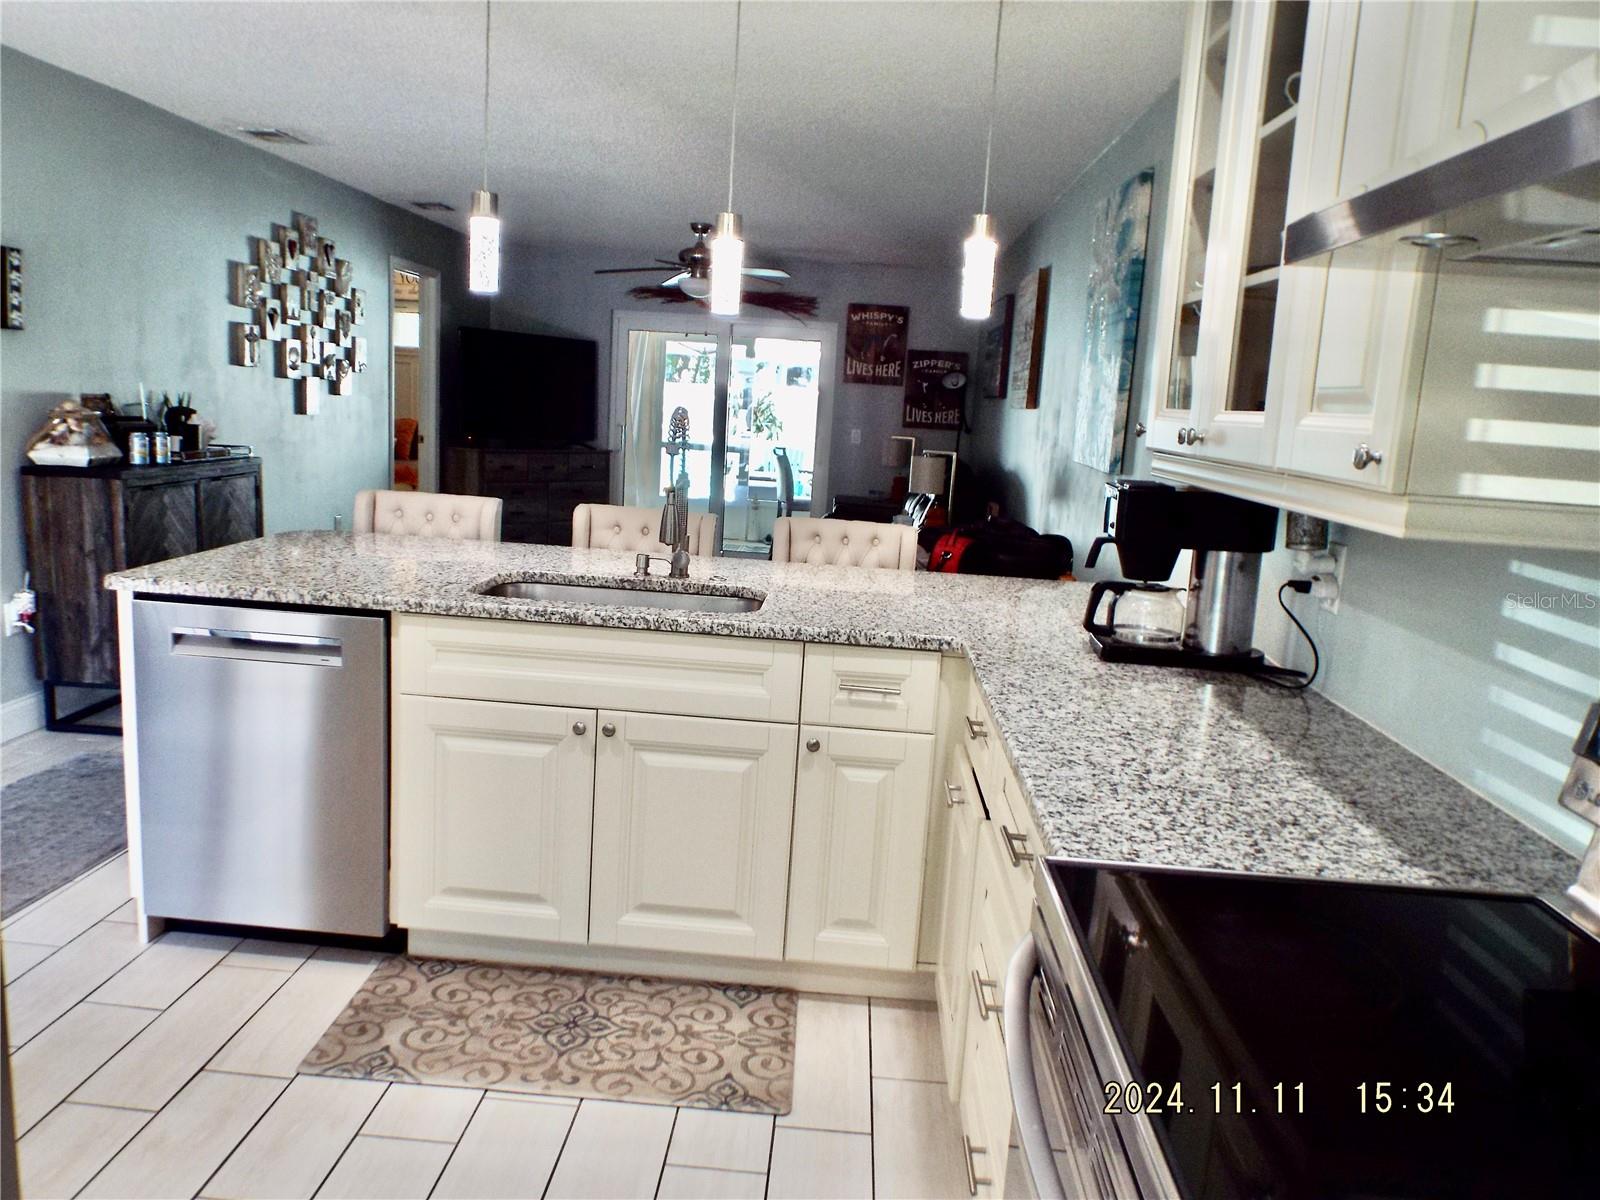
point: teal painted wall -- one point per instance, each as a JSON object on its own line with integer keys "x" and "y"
{"x": 128, "y": 217}
{"x": 1480, "y": 659}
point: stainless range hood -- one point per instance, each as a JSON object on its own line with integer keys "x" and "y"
{"x": 1529, "y": 196}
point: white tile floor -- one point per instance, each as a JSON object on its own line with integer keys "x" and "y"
{"x": 169, "y": 1072}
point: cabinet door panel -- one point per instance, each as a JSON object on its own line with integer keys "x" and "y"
{"x": 691, "y": 834}
{"x": 861, "y": 820}
{"x": 162, "y": 523}
{"x": 229, "y": 511}
{"x": 491, "y": 811}
{"x": 952, "y": 985}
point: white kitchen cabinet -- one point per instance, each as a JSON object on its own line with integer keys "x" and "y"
{"x": 952, "y": 985}
{"x": 691, "y": 834}
{"x": 490, "y": 818}
{"x": 860, "y": 825}
{"x": 1218, "y": 298}
{"x": 1400, "y": 395}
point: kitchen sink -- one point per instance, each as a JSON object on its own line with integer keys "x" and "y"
{"x": 626, "y": 597}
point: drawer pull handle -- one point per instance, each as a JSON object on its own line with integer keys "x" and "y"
{"x": 974, "y": 1182}
{"x": 608, "y": 729}
{"x": 870, "y": 689}
{"x": 976, "y": 729}
{"x": 981, "y": 987}
{"x": 579, "y": 728}
{"x": 1013, "y": 842}
{"x": 813, "y": 745}
{"x": 953, "y": 794}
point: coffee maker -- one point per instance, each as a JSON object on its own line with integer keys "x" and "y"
{"x": 1150, "y": 523}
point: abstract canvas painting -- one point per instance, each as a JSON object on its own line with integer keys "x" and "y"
{"x": 1111, "y": 329}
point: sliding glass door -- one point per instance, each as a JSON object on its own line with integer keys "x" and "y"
{"x": 730, "y": 414}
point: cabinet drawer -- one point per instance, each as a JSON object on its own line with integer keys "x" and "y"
{"x": 588, "y": 467}
{"x": 505, "y": 468}
{"x": 982, "y": 743}
{"x": 639, "y": 670}
{"x": 871, "y": 689}
{"x": 564, "y": 497}
{"x": 998, "y": 919}
{"x": 985, "y": 1101}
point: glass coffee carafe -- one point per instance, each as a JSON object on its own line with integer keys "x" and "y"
{"x": 1148, "y": 615}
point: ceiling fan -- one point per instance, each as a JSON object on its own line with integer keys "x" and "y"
{"x": 693, "y": 266}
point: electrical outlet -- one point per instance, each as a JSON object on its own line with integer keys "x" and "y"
{"x": 1330, "y": 597}
{"x": 855, "y": 437}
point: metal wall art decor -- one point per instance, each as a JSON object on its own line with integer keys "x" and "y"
{"x": 301, "y": 297}
{"x": 11, "y": 268}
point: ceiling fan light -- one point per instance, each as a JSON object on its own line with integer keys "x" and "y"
{"x": 727, "y": 264}
{"x": 696, "y": 287}
{"x": 483, "y": 244}
{"x": 979, "y": 254}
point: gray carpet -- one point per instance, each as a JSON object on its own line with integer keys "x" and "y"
{"x": 57, "y": 823}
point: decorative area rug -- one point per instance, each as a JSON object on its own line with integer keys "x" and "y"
{"x": 57, "y": 823}
{"x": 566, "y": 1033}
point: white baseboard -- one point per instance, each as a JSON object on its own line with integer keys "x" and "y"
{"x": 801, "y": 976}
{"x": 22, "y": 715}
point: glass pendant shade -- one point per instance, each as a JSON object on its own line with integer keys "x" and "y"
{"x": 979, "y": 253}
{"x": 727, "y": 264}
{"x": 483, "y": 244}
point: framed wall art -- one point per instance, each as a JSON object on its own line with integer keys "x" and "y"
{"x": 1111, "y": 328}
{"x": 875, "y": 344}
{"x": 1027, "y": 339}
{"x": 936, "y": 387}
{"x": 994, "y": 354}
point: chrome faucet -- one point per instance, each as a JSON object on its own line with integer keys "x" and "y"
{"x": 674, "y": 535}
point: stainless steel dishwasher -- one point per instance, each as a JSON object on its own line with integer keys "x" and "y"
{"x": 263, "y": 765}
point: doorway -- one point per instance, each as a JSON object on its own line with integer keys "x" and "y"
{"x": 414, "y": 376}
{"x": 729, "y": 413}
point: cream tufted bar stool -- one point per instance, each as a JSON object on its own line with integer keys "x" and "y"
{"x": 826, "y": 542}
{"x": 617, "y": 527}
{"x": 429, "y": 514}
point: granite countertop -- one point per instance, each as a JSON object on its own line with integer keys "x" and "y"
{"x": 1119, "y": 762}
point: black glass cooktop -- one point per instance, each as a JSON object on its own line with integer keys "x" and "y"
{"x": 1308, "y": 1038}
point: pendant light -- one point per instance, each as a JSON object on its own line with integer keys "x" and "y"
{"x": 980, "y": 251}
{"x": 727, "y": 240}
{"x": 483, "y": 224}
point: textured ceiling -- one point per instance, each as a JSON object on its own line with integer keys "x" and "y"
{"x": 861, "y": 125}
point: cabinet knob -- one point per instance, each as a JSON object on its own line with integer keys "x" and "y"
{"x": 813, "y": 745}
{"x": 1138, "y": 429}
{"x": 579, "y": 728}
{"x": 1196, "y": 436}
{"x": 1365, "y": 456}
{"x": 1183, "y": 437}
{"x": 608, "y": 729}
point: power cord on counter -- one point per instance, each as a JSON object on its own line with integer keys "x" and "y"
{"x": 1293, "y": 681}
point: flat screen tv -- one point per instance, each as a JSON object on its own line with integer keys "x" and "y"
{"x": 526, "y": 389}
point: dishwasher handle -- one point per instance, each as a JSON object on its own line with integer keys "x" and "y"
{"x": 1032, "y": 1132}
{"x": 253, "y": 645}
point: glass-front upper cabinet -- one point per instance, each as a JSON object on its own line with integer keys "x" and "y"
{"x": 1236, "y": 142}
{"x": 1201, "y": 105}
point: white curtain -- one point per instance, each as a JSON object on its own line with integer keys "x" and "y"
{"x": 647, "y": 369}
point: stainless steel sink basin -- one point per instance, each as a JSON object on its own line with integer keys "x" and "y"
{"x": 627, "y": 597}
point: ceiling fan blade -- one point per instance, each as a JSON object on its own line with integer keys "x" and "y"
{"x": 675, "y": 280}
{"x": 629, "y": 270}
{"x": 670, "y": 262}
{"x": 766, "y": 273}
